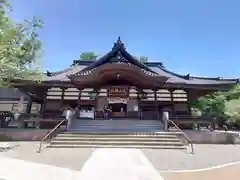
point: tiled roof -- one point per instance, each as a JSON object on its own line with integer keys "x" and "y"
{"x": 63, "y": 75}
{"x": 119, "y": 53}
{"x": 173, "y": 77}
{"x": 187, "y": 79}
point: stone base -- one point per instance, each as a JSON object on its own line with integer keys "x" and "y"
{"x": 22, "y": 134}
{"x": 211, "y": 137}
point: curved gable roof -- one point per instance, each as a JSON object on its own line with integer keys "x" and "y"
{"x": 119, "y": 53}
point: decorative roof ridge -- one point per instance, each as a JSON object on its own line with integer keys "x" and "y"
{"x": 143, "y": 66}
{"x": 83, "y": 62}
{"x": 215, "y": 78}
{"x": 88, "y": 62}
{"x": 186, "y": 77}
{"x": 189, "y": 77}
{"x": 155, "y": 64}
{"x": 49, "y": 73}
{"x": 117, "y": 47}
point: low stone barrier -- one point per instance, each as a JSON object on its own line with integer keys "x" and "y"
{"x": 22, "y": 134}
{"x": 211, "y": 137}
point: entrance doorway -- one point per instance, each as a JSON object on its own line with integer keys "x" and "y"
{"x": 118, "y": 110}
{"x": 118, "y": 107}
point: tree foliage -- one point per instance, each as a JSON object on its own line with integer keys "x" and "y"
{"x": 88, "y": 56}
{"x": 220, "y": 105}
{"x": 143, "y": 59}
{"x": 212, "y": 105}
{"x": 19, "y": 47}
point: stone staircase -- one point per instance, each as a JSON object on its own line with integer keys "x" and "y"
{"x": 116, "y": 126}
{"x": 117, "y": 134}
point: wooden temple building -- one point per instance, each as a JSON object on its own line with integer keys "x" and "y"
{"x": 132, "y": 89}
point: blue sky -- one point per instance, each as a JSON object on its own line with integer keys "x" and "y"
{"x": 200, "y": 37}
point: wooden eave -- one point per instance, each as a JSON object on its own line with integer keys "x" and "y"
{"x": 216, "y": 87}
{"x": 117, "y": 71}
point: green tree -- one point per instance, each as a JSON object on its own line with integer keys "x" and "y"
{"x": 220, "y": 105}
{"x": 233, "y": 93}
{"x": 233, "y": 105}
{"x": 88, "y": 56}
{"x": 19, "y": 48}
{"x": 143, "y": 59}
{"x": 212, "y": 106}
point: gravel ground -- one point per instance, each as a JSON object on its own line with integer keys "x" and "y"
{"x": 205, "y": 156}
{"x": 61, "y": 157}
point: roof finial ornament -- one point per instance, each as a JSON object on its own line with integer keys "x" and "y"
{"x": 118, "y": 44}
{"x": 119, "y": 40}
{"x": 48, "y": 73}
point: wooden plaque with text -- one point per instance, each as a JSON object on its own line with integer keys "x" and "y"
{"x": 118, "y": 91}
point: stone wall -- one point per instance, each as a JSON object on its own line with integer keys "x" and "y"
{"x": 22, "y": 134}
{"x": 208, "y": 137}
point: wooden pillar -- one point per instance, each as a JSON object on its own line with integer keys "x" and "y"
{"x": 96, "y": 90}
{"x": 44, "y": 101}
{"x": 29, "y": 105}
{"x": 62, "y": 97}
{"x": 20, "y": 111}
{"x": 172, "y": 102}
{"x": 156, "y": 103}
{"x": 138, "y": 101}
{"x": 80, "y": 93}
{"x": 188, "y": 102}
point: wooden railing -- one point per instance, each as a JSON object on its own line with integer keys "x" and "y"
{"x": 50, "y": 135}
{"x": 185, "y": 135}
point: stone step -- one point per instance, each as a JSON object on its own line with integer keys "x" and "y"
{"x": 114, "y": 127}
{"x": 114, "y": 130}
{"x": 150, "y": 143}
{"x": 96, "y": 135}
{"x": 116, "y": 122}
{"x": 116, "y": 146}
{"x": 112, "y": 133}
{"x": 155, "y": 139}
{"x": 127, "y": 125}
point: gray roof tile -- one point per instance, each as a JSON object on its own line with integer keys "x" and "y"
{"x": 119, "y": 51}
{"x": 63, "y": 75}
{"x": 175, "y": 78}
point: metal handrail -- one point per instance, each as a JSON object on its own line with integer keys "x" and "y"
{"x": 186, "y": 136}
{"x": 48, "y": 135}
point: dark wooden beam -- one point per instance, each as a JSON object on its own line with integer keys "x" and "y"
{"x": 172, "y": 102}
{"x": 156, "y": 103}
{"x": 29, "y": 105}
{"x": 210, "y": 87}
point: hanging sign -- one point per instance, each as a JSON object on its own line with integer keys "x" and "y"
{"x": 118, "y": 91}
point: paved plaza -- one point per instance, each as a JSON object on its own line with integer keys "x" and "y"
{"x": 119, "y": 163}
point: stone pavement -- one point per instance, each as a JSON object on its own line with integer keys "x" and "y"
{"x": 228, "y": 172}
{"x": 205, "y": 156}
{"x": 22, "y": 162}
{"x": 119, "y": 164}
{"x": 65, "y": 158}
{"x": 105, "y": 164}
{"x": 13, "y": 169}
